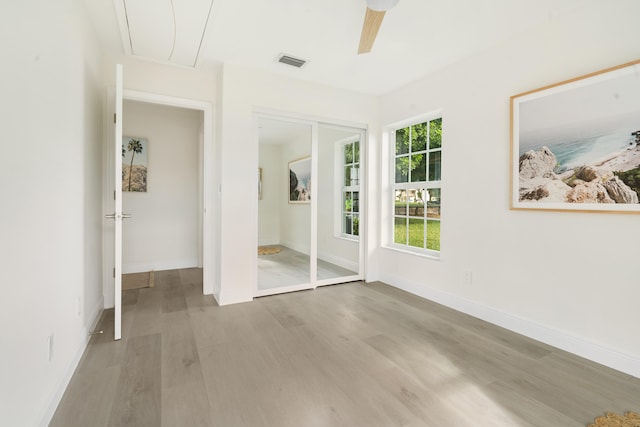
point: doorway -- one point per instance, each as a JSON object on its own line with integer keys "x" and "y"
{"x": 205, "y": 208}
{"x": 161, "y": 188}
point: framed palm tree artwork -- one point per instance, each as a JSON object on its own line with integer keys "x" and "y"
{"x": 134, "y": 164}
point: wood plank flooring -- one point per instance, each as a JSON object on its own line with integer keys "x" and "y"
{"x": 345, "y": 355}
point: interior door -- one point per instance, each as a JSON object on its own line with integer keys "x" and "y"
{"x": 117, "y": 215}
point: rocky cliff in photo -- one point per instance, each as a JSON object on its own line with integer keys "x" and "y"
{"x": 585, "y": 184}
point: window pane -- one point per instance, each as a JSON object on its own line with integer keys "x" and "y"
{"x": 347, "y": 203}
{"x": 433, "y": 234}
{"x": 435, "y": 133}
{"x": 402, "y": 141}
{"x": 346, "y": 224}
{"x": 419, "y": 167}
{"x": 355, "y": 197}
{"x": 400, "y": 231}
{"x": 354, "y": 175}
{"x": 356, "y": 225}
{"x": 401, "y": 202}
{"x": 416, "y": 232}
{"x": 433, "y": 204}
{"x": 356, "y": 152}
{"x": 416, "y": 203}
{"x": 419, "y": 137}
{"x": 348, "y": 153}
{"x": 347, "y": 176}
{"x": 435, "y": 167}
{"x": 402, "y": 169}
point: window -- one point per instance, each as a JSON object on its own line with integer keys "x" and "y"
{"x": 417, "y": 185}
{"x": 350, "y": 188}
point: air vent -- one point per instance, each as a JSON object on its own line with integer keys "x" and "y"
{"x": 290, "y": 60}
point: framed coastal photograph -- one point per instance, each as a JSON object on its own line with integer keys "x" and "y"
{"x": 134, "y": 164}
{"x": 575, "y": 145}
{"x": 300, "y": 181}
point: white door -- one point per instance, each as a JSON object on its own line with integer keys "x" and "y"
{"x": 117, "y": 216}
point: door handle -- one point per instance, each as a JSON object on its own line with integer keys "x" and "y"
{"x": 118, "y": 216}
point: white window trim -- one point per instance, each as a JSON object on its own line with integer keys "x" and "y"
{"x": 339, "y": 188}
{"x": 390, "y": 131}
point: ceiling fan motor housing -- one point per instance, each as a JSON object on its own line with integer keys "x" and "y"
{"x": 381, "y": 5}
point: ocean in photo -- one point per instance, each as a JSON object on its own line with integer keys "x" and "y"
{"x": 587, "y": 151}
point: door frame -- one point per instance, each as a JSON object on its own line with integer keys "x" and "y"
{"x": 206, "y": 164}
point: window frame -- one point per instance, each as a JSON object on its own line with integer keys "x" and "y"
{"x": 341, "y": 188}
{"x": 391, "y": 132}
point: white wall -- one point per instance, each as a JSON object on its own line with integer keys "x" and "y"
{"x": 244, "y": 90}
{"x": 163, "y": 79}
{"x": 162, "y": 233}
{"x": 50, "y": 250}
{"x": 569, "y": 279}
{"x": 273, "y": 191}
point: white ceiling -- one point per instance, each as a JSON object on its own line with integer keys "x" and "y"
{"x": 417, "y": 36}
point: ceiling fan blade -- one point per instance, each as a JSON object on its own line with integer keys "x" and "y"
{"x": 370, "y": 27}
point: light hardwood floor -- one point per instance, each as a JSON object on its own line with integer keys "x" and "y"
{"x": 345, "y": 355}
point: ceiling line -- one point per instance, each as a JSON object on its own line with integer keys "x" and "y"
{"x": 173, "y": 47}
{"x": 204, "y": 30}
{"x": 126, "y": 17}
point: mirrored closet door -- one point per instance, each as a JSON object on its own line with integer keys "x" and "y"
{"x": 309, "y": 209}
{"x": 284, "y": 206}
{"x": 339, "y": 199}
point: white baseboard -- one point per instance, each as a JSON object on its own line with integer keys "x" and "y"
{"x": 296, "y": 247}
{"x": 577, "y": 345}
{"x": 216, "y": 296}
{"x": 95, "y": 314}
{"x": 341, "y": 262}
{"x": 159, "y": 266}
{"x": 268, "y": 242}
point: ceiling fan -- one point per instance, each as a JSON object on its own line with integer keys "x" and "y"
{"x": 372, "y": 21}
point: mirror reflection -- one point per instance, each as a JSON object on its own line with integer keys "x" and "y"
{"x": 284, "y": 209}
{"x": 339, "y": 163}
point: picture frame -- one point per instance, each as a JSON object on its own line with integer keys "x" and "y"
{"x": 575, "y": 145}
{"x": 134, "y": 158}
{"x": 300, "y": 181}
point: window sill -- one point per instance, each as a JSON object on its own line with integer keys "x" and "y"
{"x": 419, "y": 253}
{"x": 347, "y": 238}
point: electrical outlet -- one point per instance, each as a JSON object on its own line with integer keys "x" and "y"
{"x": 50, "y": 346}
{"x": 468, "y": 277}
